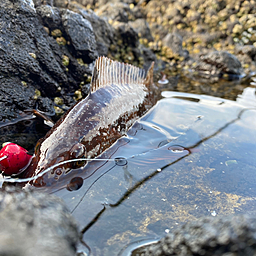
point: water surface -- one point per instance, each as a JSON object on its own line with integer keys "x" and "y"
{"x": 190, "y": 156}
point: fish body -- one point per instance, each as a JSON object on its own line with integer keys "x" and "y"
{"x": 119, "y": 95}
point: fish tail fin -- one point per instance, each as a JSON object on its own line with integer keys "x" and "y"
{"x": 149, "y": 78}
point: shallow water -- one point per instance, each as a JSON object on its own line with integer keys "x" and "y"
{"x": 190, "y": 156}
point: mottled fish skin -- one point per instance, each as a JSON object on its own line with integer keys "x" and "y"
{"x": 119, "y": 96}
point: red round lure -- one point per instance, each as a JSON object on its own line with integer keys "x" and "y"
{"x": 13, "y": 159}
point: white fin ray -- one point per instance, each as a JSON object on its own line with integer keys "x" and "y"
{"x": 107, "y": 72}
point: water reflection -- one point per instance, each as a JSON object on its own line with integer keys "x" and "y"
{"x": 121, "y": 161}
{"x": 75, "y": 184}
{"x": 190, "y": 156}
{"x": 184, "y": 159}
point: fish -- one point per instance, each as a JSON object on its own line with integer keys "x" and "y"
{"x": 120, "y": 93}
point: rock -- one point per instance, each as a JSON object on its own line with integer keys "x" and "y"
{"x": 13, "y": 98}
{"x": 45, "y": 104}
{"x": 148, "y": 57}
{"x": 117, "y": 38}
{"x": 115, "y": 11}
{"x": 35, "y": 57}
{"x": 142, "y": 28}
{"x": 218, "y": 63}
{"x": 127, "y": 34}
{"x": 50, "y": 16}
{"x": 138, "y": 12}
{"x": 103, "y": 31}
{"x": 174, "y": 42}
{"x": 122, "y": 11}
{"x": 158, "y": 31}
{"x": 225, "y": 235}
{"x": 248, "y": 50}
{"x": 80, "y": 34}
{"x": 42, "y": 2}
{"x": 35, "y": 224}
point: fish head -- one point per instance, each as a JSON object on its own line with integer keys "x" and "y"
{"x": 55, "y": 162}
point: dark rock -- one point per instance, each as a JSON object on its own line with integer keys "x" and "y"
{"x": 174, "y": 42}
{"x": 218, "y": 63}
{"x": 33, "y": 223}
{"x": 14, "y": 96}
{"x": 249, "y": 50}
{"x": 103, "y": 31}
{"x": 120, "y": 40}
{"x": 44, "y": 105}
{"x": 127, "y": 34}
{"x": 80, "y": 34}
{"x": 148, "y": 56}
{"x": 142, "y": 28}
{"x": 226, "y": 235}
{"x": 33, "y": 53}
{"x": 115, "y": 11}
{"x": 51, "y": 16}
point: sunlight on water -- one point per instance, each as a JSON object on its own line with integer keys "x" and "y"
{"x": 190, "y": 156}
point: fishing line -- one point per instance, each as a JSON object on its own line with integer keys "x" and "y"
{"x": 2, "y": 158}
{"x": 120, "y": 161}
{"x": 15, "y": 180}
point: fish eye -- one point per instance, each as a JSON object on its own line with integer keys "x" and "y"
{"x": 78, "y": 151}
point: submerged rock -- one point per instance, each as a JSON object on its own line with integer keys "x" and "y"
{"x": 219, "y": 63}
{"x": 33, "y": 223}
{"x": 226, "y": 235}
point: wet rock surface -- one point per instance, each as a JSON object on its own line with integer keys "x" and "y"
{"x": 35, "y": 63}
{"x": 218, "y": 63}
{"x": 82, "y": 38}
{"x": 34, "y": 223}
{"x": 226, "y": 235}
{"x": 103, "y": 31}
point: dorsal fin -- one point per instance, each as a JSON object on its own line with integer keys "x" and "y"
{"x": 107, "y": 72}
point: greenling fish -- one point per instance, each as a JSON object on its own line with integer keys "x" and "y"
{"x": 120, "y": 94}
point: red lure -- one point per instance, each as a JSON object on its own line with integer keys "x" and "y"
{"x": 13, "y": 159}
